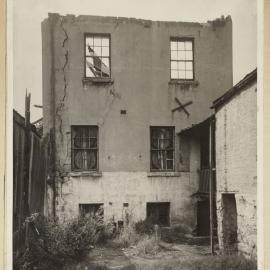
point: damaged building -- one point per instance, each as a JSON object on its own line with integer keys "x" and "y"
{"x": 236, "y": 166}
{"x": 118, "y": 97}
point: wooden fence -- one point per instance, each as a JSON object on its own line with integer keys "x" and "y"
{"x": 29, "y": 176}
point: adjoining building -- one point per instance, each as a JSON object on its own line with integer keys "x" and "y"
{"x": 116, "y": 92}
{"x": 236, "y": 166}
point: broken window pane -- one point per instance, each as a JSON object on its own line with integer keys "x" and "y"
{"x": 97, "y": 56}
{"x": 182, "y": 54}
{"x": 84, "y": 147}
{"x": 162, "y": 148}
{"x": 97, "y": 51}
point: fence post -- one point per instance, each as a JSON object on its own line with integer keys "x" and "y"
{"x": 211, "y": 195}
{"x": 27, "y": 148}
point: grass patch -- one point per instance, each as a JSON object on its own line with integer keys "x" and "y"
{"x": 221, "y": 262}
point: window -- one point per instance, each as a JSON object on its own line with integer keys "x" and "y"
{"x": 84, "y": 148}
{"x": 158, "y": 213}
{"x": 162, "y": 148}
{"x": 97, "y": 56}
{"x": 92, "y": 209}
{"x": 182, "y": 62}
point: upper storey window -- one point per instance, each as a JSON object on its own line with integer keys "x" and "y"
{"x": 97, "y": 56}
{"x": 182, "y": 59}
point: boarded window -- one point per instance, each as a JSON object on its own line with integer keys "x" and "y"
{"x": 162, "y": 148}
{"x": 91, "y": 209}
{"x": 84, "y": 148}
{"x": 182, "y": 62}
{"x": 97, "y": 56}
{"x": 158, "y": 213}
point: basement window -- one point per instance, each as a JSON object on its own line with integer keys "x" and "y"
{"x": 162, "y": 148}
{"x": 158, "y": 213}
{"x": 91, "y": 209}
{"x": 84, "y": 151}
{"x": 182, "y": 59}
{"x": 97, "y": 56}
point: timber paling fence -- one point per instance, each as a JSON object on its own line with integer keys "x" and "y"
{"x": 30, "y": 162}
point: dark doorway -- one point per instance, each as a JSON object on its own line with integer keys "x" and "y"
{"x": 203, "y": 221}
{"x": 158, "y": 213}
{"x": 229, "y": 223}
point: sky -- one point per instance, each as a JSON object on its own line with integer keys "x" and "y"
{"x": 28, "y": 15}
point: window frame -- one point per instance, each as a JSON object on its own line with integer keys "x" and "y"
{"x": 72, "y": 149}
{"x": 175, "y": 38}
{"x": 83, "y": 213}
{"x": 173, "y": 148}
{"x": 87, "y": 34}
{"x": 150, "y": 205}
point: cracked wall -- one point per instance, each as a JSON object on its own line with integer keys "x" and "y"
{"x": 140, "y": 84}
{"x": 236, "y": 165}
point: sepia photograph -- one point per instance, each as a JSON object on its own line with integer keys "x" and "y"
{"x": 134, "y": 135}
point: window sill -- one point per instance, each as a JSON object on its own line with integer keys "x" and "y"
{"x": 85, "y": 173}
{"x": 91, "y": 81}
{"x": 183, "y": 82}
{"x": 163, "y": 174}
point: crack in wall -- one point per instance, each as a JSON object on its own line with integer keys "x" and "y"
{"x": 61, "y": 105}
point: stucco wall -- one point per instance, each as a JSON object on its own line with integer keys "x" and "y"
{"x": 236, "y": 159}
{"x": 140, "y": 71}
{"x": 115, "y": 188}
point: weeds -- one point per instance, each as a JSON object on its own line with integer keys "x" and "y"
{"x": 57, "y": 243}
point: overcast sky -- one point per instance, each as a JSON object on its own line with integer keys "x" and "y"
{"x": 28, "y": 15}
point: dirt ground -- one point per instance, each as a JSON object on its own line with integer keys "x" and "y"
{"x": 109, "y": 257}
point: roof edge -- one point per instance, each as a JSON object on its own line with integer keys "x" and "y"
{"x": 249, "y": 78}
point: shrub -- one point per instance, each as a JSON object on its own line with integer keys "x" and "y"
{"x": 57, "y": 243}
{"x": 144, "y": 227}
{"x": 148, "y": 245}
{"x": 221, "y": 262}
{"x": 127, "y": 236}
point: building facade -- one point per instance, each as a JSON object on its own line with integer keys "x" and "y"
{"x": 116, "y": 91}
{"x": 236, "y": 166}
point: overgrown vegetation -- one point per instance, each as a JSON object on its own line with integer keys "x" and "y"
{"x": 144, "y": 227}
{"x": 221, "y": 262}
{"x": 53, "y": 244}
{"x": 57, "y": 245}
